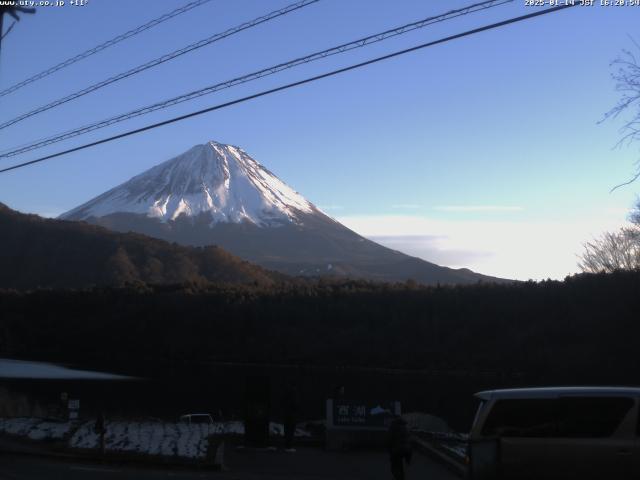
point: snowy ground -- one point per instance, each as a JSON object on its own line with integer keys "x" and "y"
{"x": 456, "y": 450}
{"x": 34, "y": 428}
{"x": 165, "y": 439}
{"x": 437, "y": 431}
{"x": 181, "y": 440}
{"x": 147, "y": 438}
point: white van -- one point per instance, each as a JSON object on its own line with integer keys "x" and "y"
{"x": 556, "y": 433}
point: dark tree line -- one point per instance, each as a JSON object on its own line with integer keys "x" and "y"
{"x": 584, "y": 329}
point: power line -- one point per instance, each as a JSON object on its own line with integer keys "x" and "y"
{"x": 162, "y": 59}
{"x": 294, "y": 84}
{"x": 256, "y": 75}
{"x": 102, "y": 46}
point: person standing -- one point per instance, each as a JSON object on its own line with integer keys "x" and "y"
{"x": 399, "y": 443}
{"x": 101, "y": 429}
{"x": 291, "y": 405}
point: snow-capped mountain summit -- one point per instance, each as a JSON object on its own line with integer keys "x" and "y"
{"x": 221, "y": 180}
{"x": 216, "y": 194}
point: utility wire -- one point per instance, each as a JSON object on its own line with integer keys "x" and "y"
{"x": 164, "y": 58}
{"x": 105, "y": 45}
{"x": 362, "y": 42}
{"x": 294, "y": 84}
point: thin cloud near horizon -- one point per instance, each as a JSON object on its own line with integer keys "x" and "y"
{"x": 504, "y": 248}
{"x": 408, "y": 206}
{"x": 478, "y": 208}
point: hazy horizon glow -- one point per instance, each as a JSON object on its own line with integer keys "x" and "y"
{"x": 520, "y": 250}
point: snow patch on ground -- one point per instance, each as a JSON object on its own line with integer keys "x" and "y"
{"x": 34, "y": 428}
{"x": 160, "y": 438}
{"x": 456, "y": 450}
{"x": 147, "y": 438}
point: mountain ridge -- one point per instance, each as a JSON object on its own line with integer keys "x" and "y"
{"x": 36, "y": 252}
{"x": 217, "y": 194}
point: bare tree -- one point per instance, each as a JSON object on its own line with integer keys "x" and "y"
{"x": 634, "y": 216}
{"x": 621, "y": 250}
{"x": 627, "y": 79}
{"x": 614, "y": 250}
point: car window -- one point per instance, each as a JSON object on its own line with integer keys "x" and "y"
{"x": 521, "y": 418}
{"x": 591, "y": 417}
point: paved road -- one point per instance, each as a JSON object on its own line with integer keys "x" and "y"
{"x": 306, "y": 464}
{"x": 36, "y": 468}
{"x": 316, "y": 464}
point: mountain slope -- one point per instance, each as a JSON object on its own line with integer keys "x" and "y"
{"x": 221, "y": 180}
{"x": 217, "y": 194}
{"x": 38, "y": 252}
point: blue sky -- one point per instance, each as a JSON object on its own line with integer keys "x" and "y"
{"x": 484, "y": 152}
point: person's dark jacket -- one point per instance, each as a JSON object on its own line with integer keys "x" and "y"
{"x": 399, "y": 439}
{"x": 291, "y": 402}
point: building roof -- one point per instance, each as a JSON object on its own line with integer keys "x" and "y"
{"x": 554, "y": 392}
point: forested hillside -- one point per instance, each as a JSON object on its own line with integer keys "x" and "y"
{"x": 37, "y": 252}
{"x": 584, "y": 329}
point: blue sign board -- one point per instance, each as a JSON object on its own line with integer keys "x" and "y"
{"x": 362, "y": 413}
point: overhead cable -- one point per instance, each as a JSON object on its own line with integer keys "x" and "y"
{"x": 160, "y": 60}
{"x": 103, "y": 46}
{"x": 292, "y": 85}
{"x": 362, "y": 42}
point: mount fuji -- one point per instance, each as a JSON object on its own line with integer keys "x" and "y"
{"x": 217, "y": 194}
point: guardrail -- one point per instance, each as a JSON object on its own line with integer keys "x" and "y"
{"x": 447, "y": 449}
